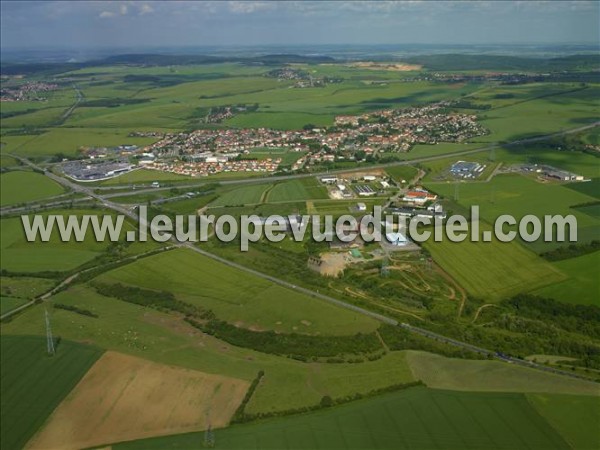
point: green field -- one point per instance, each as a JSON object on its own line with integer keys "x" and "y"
{"x": 417, "y": 418}
{"x": 582, "y": 287}
{"x": 236, "y": 296}
{"x": 33, "y": 383}
{"x": 70, "y": 140}
{"x": 146, "y": 176}
{"x": 16, "y": 291}
{"x": 166, "y": 339}
{"x": 575, "y": 417}
{"x": 519, "y": 196}
{"x": 591, "y": 188}
{"x": 249, "y": 194}
{"x": 294, "y": 190}
{"x": 22, "y": 187}
{"x": 18, "y": 255}
{"x": 493, "y": 270}
{"x": 491, "y": 376}
{"x": 399, "y": 173}
{"x": 9, "y": 303}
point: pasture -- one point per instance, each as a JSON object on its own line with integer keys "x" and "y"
{"x": 9, "y": 303}
{"x": 250, "y": 194}
{"x": 144, "y": 176}
{"x": 294, "y": 190}
{"x": 165, "y": 339}
{"x": 575, "y": 417}
{"x": 22, "y": 187}
{"x": 19, "y": 255}
{"x": 70, "y": 140}
{"x": 440, "y": 372}
{"x": 538, "y": 113}
{"x": 166, "y": 400}
{"x": 416, "y": 418}
{"x": 518, "y": 196}
{"x": 237, "y": 297}
{"x": 33, "y": 383}
{"x": 493, "y": 270}
{"x": 399, "y": 173}
{"x": 582, "y": 286}
{"x": 16, "y": 291}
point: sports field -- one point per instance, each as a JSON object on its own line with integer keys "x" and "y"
{"x": 416, "y": 418}
{"x": 21, "y": 187}
{"x": 124, "y": 398}
{"x": 493, "y": 270}
{"x": 33, "y": 383}
{"x": 236, "y": 296}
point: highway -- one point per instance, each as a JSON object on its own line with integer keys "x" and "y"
{"x": 104, "y": 200}
{"x": 257, "y": 180}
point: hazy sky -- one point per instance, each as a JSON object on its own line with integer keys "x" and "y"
{"x": 182, "y": 23}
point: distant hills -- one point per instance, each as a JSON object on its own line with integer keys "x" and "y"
{"x": 438, "y": 62}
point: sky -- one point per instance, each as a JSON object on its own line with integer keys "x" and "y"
{"x": 108, "y": 24}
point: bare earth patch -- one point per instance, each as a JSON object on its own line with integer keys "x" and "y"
{"x": 123, "y": 398}
{"x": 397, "y": 67}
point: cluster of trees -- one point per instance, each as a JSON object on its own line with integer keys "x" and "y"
{"x": 570, "y": 317}
{"x": 571, "y": 251}
{"x": 239, "y": 414}
{"x": 75, "y": 309}
{"x": 160, "y": 300}
{"x": 326, "y": 402}
{"x": 297, "y": 346}
{"x": 113, "y": 102}
{"x": 397, "y": 338}
{"x": 466, "y": 104}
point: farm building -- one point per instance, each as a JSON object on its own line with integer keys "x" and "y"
{"x": 419, "y": 196}
{"x": 466, "y": 169}
{"x": 329, "y": 180}
{"x": 562, "y": 175}
{"x": 364, "y": 190}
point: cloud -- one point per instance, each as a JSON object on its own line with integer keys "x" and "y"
{"x": 146, "y": 9}
{"x": 123, "y": 10}
{"x": 248, "y": 7}
{"x": 106, "y": 14}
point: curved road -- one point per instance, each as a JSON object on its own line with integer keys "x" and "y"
{"x": 411, "y": 328}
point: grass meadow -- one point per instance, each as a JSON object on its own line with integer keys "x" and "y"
{"x": 416, "y": 418}
{"x": 33, "y": 383}
{"x": 493, "y": 270}
{"x": 236, "y": 296}
{"x": 582, "y": 285}
{"x": 21, "y": 187}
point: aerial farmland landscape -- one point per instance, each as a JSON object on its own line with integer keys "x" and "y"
{"x": 457, "y": 143}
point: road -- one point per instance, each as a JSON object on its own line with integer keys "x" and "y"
{"x": 105, "y": 196}
{"x": 383, "y": 318}
{"x": 362, "y": 168}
